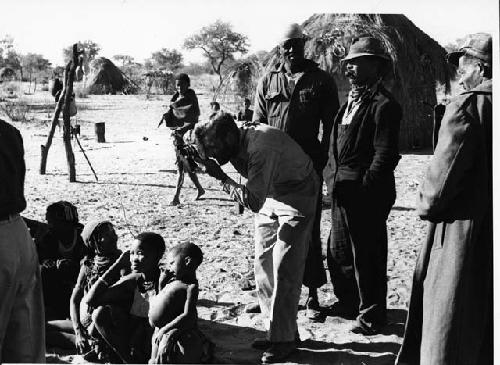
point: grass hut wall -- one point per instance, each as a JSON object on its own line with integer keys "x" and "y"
{"x": 419, "y": 66}
{"x": 105, "y": 78}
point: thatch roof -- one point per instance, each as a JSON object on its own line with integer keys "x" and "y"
{"x": 419, "y": 65}
{"x": 105, "y": 78}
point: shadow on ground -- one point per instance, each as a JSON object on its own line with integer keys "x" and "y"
{"x": 233, "y": 344}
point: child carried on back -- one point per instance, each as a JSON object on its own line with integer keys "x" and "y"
{"x": 173, "y": 313}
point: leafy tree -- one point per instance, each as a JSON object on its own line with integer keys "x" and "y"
{"x": 219, "y": 44}
{"x": 90, "y": 48}
{"x": 124, "y": 59}
{"x": 8, "y": 55}
{"x": 34, "y": 63}
{"x": 6, "y": 45}
{"x": 167, "y": 59}
{"x": 13, "y": 60}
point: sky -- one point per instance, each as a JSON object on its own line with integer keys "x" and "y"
{"x": 138, "y": 28}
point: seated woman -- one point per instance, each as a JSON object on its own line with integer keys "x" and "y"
{"x": 177, "y": 339}
{"x": 101, "y": 240}
{"x": 60, "y": 251}
{"x": 121, "y": 314}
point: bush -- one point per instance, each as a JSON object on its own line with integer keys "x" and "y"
{"x": 16, "y": 110}
{"x": 80, "y": 90}
{"x": 10, "y": 89}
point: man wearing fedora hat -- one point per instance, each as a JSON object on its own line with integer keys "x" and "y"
{"x": 450, "y": 318}
{"x": 360, "y": 176}
{"x": 295, "y": 96}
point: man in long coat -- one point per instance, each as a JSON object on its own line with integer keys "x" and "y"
{"x": 296, "y": 96}
{"x": 450, "y": 320}
{"x": 360, "y": 175}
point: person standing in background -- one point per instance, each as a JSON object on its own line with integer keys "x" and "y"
{"x": 295, "y": 97}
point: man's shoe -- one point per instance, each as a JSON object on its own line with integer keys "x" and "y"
{"x": 263, "y": 343}
{"x": 278, "y": 352}
{"x": 338, "y": 309}
{"x": 313, "y": 310}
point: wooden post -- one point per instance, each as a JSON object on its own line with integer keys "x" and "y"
{"x": 55, "y": 120}
{"x": 64, "y": 104}
{"x": 100, "y": 132}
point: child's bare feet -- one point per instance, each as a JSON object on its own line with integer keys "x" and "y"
{"x": 201, "y": 192}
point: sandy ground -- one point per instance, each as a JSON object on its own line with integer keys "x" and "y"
{"x": 137, "y": 179}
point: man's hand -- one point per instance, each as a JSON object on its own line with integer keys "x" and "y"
{"x": 213, "y": 169}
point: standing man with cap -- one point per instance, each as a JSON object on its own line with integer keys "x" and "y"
{"x": 295, "y": 97}
{"x": 450, "y": 319}
{"x": 360, "y": 175}
{"x": 22, "y": 323}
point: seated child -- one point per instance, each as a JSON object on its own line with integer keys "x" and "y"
{"x": 60, "y": 251}
{"x": 121, "y": 307}
{"x": 101, "y": 241}
{"x": 177, "y": 338}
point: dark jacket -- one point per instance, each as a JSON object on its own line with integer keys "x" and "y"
{"x": 299, "y": 113}
{"x": 367, "y": 153}
{"x": 450, "y": 319}
{"x": 12, "y": 170}
{"x": 48, "y": 254}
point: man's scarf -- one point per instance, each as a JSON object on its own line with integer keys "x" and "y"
{"x": 359, "y": 93}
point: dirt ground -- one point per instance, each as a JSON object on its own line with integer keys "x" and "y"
{"x": 137, "y": 179}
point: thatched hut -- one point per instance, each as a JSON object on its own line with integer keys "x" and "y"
{"x": 105, "y": 78}
{"x": 419, "y": 64}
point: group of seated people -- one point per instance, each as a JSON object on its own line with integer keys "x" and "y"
{"x": 114, "y": 306}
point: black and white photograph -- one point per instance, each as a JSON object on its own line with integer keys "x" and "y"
{"x": 248, "y": 182}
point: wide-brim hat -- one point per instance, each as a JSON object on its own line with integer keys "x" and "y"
{"x": 366, "y": 46}
{"x": 292, "y": 31}
{"x": 477, "y": 45}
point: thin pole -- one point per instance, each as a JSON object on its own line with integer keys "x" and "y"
{"x": 85, "y": 155}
